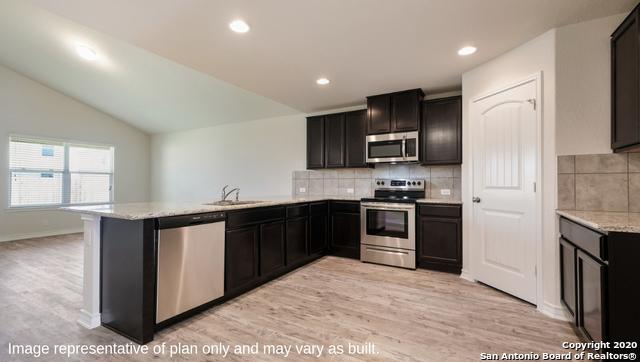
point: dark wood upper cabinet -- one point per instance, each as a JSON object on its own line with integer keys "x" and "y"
{"x": 315, "y": 142}
{"x": 394, "y": 112}
{"x": 356, "y": 136}
{"x": 334, "y": 145}
{"x": 625, "y": 87}
{"x": 379, "y": 114}
{"x": 441, "y": 126}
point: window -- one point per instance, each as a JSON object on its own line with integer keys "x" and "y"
{"x": 54, "y": 173}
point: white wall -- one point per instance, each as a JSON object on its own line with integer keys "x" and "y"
{"x": 30, "y": 108}
{"x": 257, "y": 156}
{"x": 529, "y": 58}
{"x": 583, "y": 86}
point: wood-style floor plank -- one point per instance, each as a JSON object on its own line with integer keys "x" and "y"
{"x": 409, "y": 315}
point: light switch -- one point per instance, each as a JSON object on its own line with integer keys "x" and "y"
{"x": 445, "y": 192}
{"x": 302, "y": 190}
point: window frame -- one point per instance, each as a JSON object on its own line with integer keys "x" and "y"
{"x": 66, "y": 172}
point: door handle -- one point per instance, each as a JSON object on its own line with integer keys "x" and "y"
{"x": 476, "y": 199}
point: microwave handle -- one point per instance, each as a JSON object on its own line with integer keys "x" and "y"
{"x": 404, "y": 147}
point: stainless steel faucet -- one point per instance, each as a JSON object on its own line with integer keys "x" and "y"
{"x": 226, "y": 194}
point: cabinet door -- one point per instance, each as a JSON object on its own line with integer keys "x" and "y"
{"x": 345, "y": 234}
{"x": 356, "y": 134}
{"x": 335, "y": 140}
{"x": 440, "y": 243}
{"x": 296, "y": 240}
{"x": 568, "y": 275}
{"x": 315, "y": 142}
{"x": 442, "y": 131}
{"x": 318, "y": 225}
{"x": 591, "y": 297}
{"x": 625, "y": 127}
{"x": 271, "y": 247}
{"x": 379, "y": 114}
{"x": 405, "y": 111}
{"x": 241, "y": 257}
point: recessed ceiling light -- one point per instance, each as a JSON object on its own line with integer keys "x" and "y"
{"x": 239, "y": 26}
{"x": 467, "y": 50}
{"x": 86, "y": 53}
{"x": 323, "y": 81}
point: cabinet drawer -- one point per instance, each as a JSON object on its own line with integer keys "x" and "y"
{"x": 345, "y": 206}
{"x": 319, "y": 208}
{"x": 584, "y": 238}
{"x": 254, "y": 216}
{"x": 297, "y": 211}
{"x": 441, "y": 210}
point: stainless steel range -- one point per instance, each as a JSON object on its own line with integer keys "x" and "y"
{"x": 388, "y": 224}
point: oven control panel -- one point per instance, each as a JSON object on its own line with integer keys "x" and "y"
{"x": 400, "y": 184}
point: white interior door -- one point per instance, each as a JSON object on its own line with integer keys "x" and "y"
{"x": 504, "y": 232}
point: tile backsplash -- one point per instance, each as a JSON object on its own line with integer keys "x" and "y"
{"x": 358, "y": 182}
{"x": 606, "y": 182}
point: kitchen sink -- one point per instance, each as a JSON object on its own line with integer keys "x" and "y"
{"x": 232, "y": 203}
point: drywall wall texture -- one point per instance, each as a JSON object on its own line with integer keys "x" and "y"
{"x": 605, "y": 182}
{"x": 537, "y": 55}
{"x": 257, "y": 156}
{"x": 583, "y": 86}
{"x": 32, "y": 109}
{"x": 442, "y": 182}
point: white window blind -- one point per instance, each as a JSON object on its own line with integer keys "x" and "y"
{"x": 52, "y": 173}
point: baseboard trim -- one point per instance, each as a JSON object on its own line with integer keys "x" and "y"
{"x": 41, "y": 234}
{"x": 554, "y": 311}
{"x": 88, "y": 320}
{"x": 466, "y": 275}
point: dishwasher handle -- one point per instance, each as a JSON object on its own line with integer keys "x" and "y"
{"x": 173, "y": 222}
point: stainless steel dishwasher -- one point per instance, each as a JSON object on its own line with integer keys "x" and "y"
{"x": 190, "y": 262}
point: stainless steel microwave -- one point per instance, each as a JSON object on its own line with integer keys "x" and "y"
{"x": 393, "y": 147}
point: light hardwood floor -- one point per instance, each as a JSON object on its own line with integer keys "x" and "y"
{"x": 408, "y": 315}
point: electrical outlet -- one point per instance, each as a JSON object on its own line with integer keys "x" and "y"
{"x": 302, "y": 190}
{"x": 349, "y": 191}
{"x": 445, "y": 192}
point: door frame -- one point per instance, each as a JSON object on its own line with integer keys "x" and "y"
{"x": 538, "y": 211}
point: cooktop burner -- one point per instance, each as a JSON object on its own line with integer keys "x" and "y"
{"x": 397, "y": 191}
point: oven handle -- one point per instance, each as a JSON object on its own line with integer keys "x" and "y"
{"x": 386, "y": 251}
{"x": 380, "y": 207}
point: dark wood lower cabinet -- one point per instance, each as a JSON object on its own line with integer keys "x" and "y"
{"x": 439, "y": 237}
{"x": 296, "y": 240}
{"x": 272, "y": 247}
{"x": 318, "y": 226}
{"x": 605, "y": 271}
{"x": 241, "y": 257}
{"x": 345, "y": 229}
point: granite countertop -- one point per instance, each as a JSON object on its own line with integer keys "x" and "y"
{"x": 626, "y": 222}
{"x": 151, "y": 210}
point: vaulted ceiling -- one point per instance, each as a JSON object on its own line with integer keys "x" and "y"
{"x": 171, "y": 65}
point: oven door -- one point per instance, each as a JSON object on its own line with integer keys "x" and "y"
{"x": 392, "y": 147}
{"x": 389, "y": 225}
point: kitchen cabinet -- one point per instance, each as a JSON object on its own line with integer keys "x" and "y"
{"x": 345, "y": 229}
{"x": 625, "y": 90}
{"x": 241, "y": 257}
{"x": 356, "y": 135}
{"x": 568, "y": 276}
{"x": 439, "y": 237}
{"x": 599, "y": 279}
{"x": 318, "y": 226}
{"x": 334, "y": 143}
{"x": 337, "y": 140}
{"x": 272, "y": 247}
{"x": 297, "y": 233}
{"x": 441, "y": 125}
{"x": 394, "y": 112}
{"x": 315, "y": 142}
